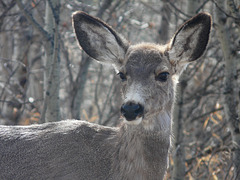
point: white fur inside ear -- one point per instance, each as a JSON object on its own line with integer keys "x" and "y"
{"x": 116, "y": 67}
{"x": 182, "y": 66}
{"x": 105, "y": 43}
{"x": 184, "y": 45}
{"x": 179, "y": 67}
{"x": 175, "y": 78}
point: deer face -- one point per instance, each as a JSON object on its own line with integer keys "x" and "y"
{"x": 146, "y": 76}
{"x": 146, "y": 70}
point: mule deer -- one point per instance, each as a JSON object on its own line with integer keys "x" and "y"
{"x": 139, "y": 148}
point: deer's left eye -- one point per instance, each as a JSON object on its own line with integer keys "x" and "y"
{"x": 162, "y": 76}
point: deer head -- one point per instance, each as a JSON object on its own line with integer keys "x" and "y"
{"x": 148, "y": 71}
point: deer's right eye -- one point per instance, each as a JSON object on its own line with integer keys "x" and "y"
{"x": 122, "y": 76}
{"x": 162, "y": 77}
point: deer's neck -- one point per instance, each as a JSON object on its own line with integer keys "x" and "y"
{"x": 142, "y": 153}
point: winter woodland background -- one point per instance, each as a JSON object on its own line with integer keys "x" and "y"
{"x": 44, "y": 76}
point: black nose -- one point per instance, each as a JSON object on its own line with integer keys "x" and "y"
{"x": 131, "y": 110}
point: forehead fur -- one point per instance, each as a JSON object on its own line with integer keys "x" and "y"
{"x": 146, "y": 48}
{"x": 144, "y": 59}
{"x": 145, "y": 54}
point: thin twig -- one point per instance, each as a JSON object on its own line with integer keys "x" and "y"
{"x": 207, "y": 114}
{"x": 178, "y": 10}
{"x": 203, "y": 4}
{"x": 29, "y": 17}
{"x": 224, "y": 12}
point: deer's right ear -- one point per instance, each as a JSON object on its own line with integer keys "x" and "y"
{"x": 99, "y": 40}
{"x": 190, "y": 41}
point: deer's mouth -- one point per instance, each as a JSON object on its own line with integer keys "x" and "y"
{"x": 137, "y": 121}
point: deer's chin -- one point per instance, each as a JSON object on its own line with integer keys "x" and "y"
{"x": 135, "y": 122}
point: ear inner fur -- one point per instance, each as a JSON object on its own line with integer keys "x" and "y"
{"x": 83, "y": 22}
{"x": 203, "y": 19}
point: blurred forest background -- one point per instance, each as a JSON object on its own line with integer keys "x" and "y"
{"x": 44, "y": 76}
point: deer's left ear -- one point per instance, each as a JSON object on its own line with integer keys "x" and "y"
{"x": 190, "y": 41}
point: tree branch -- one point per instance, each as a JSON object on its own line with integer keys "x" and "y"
{"x": 34, "y": 23}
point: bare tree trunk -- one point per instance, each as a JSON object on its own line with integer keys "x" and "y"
{"x": 179, "y": 168}
{"x": 178, "y": 127}
{"x": 52, "y": 64}
{"x": 78, "y": 87}
{"x": 35, "y": 63}
{"x": 22, "y": 39}
{"x": 230, "y": 94}
{"x": 5, "y": 51}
